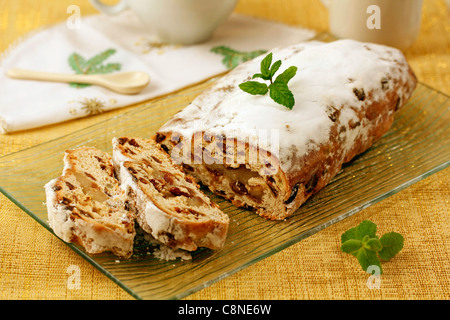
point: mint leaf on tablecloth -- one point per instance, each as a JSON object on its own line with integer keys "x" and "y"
{"x": 349, "y": 234}
{"x": 392, "y": 243}
{"x": 373, "y": 244}
{"x": 367, "y": 258}
{"x": 366, "y": 227}
{"x": 363, "y": 243}
{"x": 351, "y": 246}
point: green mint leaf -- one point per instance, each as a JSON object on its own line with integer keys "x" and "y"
{"x": 260, "y": 75}
{"x": 274, "y": 68}
{"x": 280, "y": 93}
{"x": 373, "y": 244}
{"x": 367, "y": 258}
{"x": 392, "y": 243}
{"x": 254, "y": 87}
{"x": 349, "y": 234}
{"x": 351, "y": 246}
{"x": 265, "y": 65}
{"x": 287, "y": 75}
{"x": 366, "y": 228}
{"x": 365, "y": 239}
{"x": 363, "y": 243}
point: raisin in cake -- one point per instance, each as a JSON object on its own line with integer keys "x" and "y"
{"x": 87, "y": 206}
{"x": 263, "y": 156}
{"x": 169, "y": 204}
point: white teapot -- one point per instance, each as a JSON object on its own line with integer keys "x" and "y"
{"x": 394, "y": 23}
{"x": 176, "y": 21}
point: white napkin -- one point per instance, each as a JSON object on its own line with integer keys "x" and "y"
{"x": 120, "y": 43}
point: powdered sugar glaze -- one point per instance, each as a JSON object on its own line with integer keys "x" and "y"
{"x": 327, "y": 76}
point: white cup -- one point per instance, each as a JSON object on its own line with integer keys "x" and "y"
{"x": 394, "y": 23}
{"x": 176, "y": 21}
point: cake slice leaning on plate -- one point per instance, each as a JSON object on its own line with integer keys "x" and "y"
{"x": 263, "y": 156}
{"x": 169, "y": 204}
{"x": 87, "y": 206}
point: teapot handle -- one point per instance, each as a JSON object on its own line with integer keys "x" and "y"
{"x": 109, "y": 9}
{"x": 327, "y": 3}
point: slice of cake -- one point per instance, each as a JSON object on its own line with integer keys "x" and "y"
{"x": 169, "y": 204}
{"x": 87, "y": 206}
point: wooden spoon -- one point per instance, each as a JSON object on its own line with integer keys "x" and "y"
{"x": 124, "y": 82}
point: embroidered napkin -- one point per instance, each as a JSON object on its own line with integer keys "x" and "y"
{"x": 106, "y": 44}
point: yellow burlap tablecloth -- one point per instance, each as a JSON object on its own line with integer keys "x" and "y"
{"x": 33, "y": 262}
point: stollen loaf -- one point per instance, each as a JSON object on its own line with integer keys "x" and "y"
{"x": 265, "y": 157}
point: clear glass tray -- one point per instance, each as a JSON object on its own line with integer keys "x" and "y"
{"x": 416, "y": 146}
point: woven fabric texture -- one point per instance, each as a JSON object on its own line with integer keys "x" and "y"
{"x": 34, "y": 264}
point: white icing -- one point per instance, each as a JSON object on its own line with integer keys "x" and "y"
{"x": 327, "y": 75}
{"x": 117, "y": 156}
{"x": 58, "y": 216}
{"x": 3, "y": 125}
{"x": 159, "y": 221}
{"x": 67, "y": 164}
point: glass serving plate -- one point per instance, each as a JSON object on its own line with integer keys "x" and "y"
{"x": 415, "y": 147}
